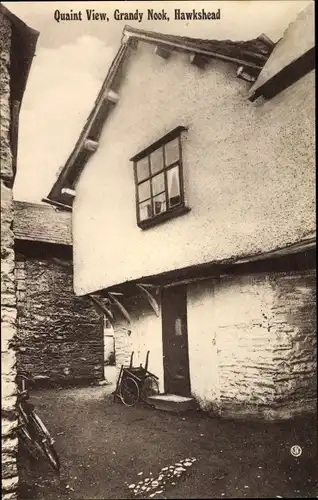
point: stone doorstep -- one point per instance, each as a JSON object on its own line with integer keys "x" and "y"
{"x": 172, "y": 402}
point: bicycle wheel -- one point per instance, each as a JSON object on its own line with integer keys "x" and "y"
{"x": 150, "y": 387}
{"x": 44, "y": 440}
{"x": 129, "y": 391}
{"x": 51, "y": 454}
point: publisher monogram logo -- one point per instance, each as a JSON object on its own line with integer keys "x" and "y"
{"x": 296, "y": 450}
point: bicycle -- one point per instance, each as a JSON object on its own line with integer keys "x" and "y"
{"x": 31, "y": 431}
{"x": 136, "y": 383}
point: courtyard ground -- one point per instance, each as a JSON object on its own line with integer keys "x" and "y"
{"x": 104, "y": 447}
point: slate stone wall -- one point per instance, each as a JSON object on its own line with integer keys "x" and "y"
{"x": 60, "y": 335}
{"x": 8, "y": 301}
{"x": 253, "y": 344}
{"x": 294, "y": 320}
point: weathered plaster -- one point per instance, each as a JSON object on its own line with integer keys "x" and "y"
{"x": 252, "y": 344}
{"x": 203, "y": 355}
{"x": 249, "y": 171}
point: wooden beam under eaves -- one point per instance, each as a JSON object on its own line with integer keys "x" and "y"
{"x": 198, "y": 60}
{"x": 69, "y": 192}
{"x": 112, "y": 96}
{"x": 90, "y": 145}
{"x": 148, "y": 285}
{"x": 244, "y": 75}
{"x": 151, "y": 300}
{"x": 102, "y": 307}
{"x": 162, "y": 52}
{"x": 119, "y": 306}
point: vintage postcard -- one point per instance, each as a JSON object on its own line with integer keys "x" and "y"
{"x": 158, "y": 249}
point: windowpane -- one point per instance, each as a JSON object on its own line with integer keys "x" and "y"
{"x": 144, "y": 190}
{"x": 158, "y": 184}
{"x": 145, "y": 210}
{"x": 156, "y": 160}
{"x": 173, "y": 186}
{"x": 143, "y": 169}
{"x": 172, "y": 152}
{"x": 159, "y": 203}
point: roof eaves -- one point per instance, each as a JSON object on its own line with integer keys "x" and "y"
{"x": 301, "y": 246}
{"x": 285, "y": 77}
{"x": 203, "y": 271}
{"x": 111, "y": 74}
{"x": 185, "y": 46}
{"x": 57, "y": 204}
{"x": 52, "y": 241}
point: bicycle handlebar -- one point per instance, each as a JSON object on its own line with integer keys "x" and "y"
{"x": 21, "y": 380}
{"x": 25, "y": 375}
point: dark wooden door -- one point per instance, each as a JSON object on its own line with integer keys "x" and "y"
{"x": 175, "y": 340}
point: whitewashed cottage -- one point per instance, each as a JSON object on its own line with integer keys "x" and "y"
{"x": 192, "y": 187}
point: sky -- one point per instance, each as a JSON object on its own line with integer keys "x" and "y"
{"x": 72, "y": 59}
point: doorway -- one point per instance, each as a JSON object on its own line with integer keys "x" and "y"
{"x": 109, "y": 352}
{"x": 175, "y": 340}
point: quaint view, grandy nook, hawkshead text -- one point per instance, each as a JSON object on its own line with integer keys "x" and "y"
{"x": 136, "y": 15}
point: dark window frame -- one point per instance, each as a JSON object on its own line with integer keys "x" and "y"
{"x": 175, "y": 210}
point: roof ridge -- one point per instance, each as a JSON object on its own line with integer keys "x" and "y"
{"x": 252, "y": 53}
{"x": 131, "y": 29}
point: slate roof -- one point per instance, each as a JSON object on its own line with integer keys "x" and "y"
{"x": 43, "y": 223}
{"x": 255, "y": 51}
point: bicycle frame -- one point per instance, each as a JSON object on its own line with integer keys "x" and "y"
{"x": 32, "y": 430}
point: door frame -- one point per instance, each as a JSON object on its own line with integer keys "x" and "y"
{"x": 165, "y": 338}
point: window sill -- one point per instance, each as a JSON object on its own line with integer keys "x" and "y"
{"x": 158, "y": 219}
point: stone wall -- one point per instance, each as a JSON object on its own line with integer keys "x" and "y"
{"x": 124, "y": 344}
{"x": 8, "y": 302}
{"x": 295, "y": 355}
{"x": 252, "y": 344}
{"x": 60, "y": 335}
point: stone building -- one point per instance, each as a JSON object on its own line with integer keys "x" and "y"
{"x": 60, "y": 336}
{"x": 17, "y": 47}
{"x": 199, "y": 155}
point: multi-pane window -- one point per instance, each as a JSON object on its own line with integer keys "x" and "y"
{"x": 158, "y": 177}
